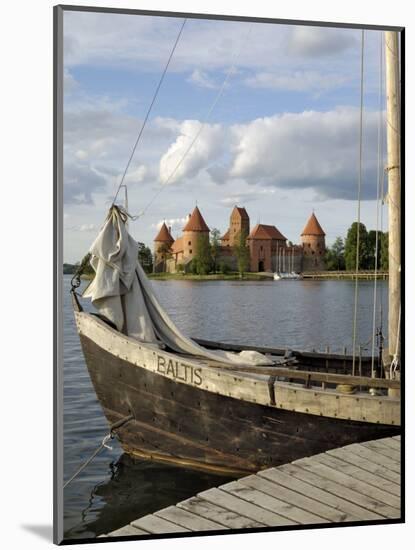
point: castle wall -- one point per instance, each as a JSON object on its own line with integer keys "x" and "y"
{"x": 191, "y": 242}
{"x": 314, "y": 249}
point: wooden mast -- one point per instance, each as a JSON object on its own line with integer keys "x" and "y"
{"x": 394, "y": 186}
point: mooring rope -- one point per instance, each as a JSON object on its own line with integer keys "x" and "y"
{"x": 149, "y": 109}
{"x": 104, "y": 444}
{"x": 359, "y": 186}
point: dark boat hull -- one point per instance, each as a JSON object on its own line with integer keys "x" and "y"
{"x": 180, "y": 423}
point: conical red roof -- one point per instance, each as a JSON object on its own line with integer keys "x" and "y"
{"x": 313, "y": 227}
{"x": 164, "y": 235}
{"x": 196, "y": 222}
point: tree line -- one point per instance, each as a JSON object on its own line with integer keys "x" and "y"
{"x": 207, "y": 260}
{"x": 342, "y": 254}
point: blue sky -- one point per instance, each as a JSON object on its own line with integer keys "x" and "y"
{"x": 281, "y": 141}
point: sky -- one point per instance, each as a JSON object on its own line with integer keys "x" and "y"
{"x": 276, "y": 109}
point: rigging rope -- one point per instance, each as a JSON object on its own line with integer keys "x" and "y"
{"x": 379, "y": 162}
{"x": 359, "y": 185}
{"x": 203, "y": 124}
{"x": 149, "y": 110}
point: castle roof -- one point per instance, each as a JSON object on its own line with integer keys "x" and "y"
{"x": 177, "y": 246}
{"x": 196, "y": 222}
{"x": 164, "y": 235}
{"x": 313, "y": 227}
{"x": 262, "y": 231}
{"x": 241, "y": 211}
{"x": 225, "y": 237}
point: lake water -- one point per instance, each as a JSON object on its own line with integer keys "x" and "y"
{"x": 114, "y": 489}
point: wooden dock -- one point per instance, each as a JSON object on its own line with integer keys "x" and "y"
{"x": 359, "y": 482}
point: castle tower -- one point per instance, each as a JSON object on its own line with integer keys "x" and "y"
{"x": 194, "y": 230}
{"x": 314, "y": 245}
{"x": 162, "y": 243}
{"x": 239, "y": 222}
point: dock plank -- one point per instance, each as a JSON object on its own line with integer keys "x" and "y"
{"x": 370, "y": 454}
{"x": 154, "y": 524}
{"x": 365, "y": 464}
{"x": 235, "y": 504}
{"x": 392, "y": 443}
{"x": 359, "y": 473}
{"x": 271, "y": 503}
{"x": 127, "y": 531}
{"x": 376, "y": 499}
{"x": 298, "y": 499}
{"x": 381, "y": 448}
{"x": 336, "y": 489}
{"x": 187, "y": 519}
{"x": 216, "y": 513}
{"x": 284, "y": 476}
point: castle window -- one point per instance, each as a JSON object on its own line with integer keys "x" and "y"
{"x": 190, "y": 251}
{"x": 189, "y": 243}
{"x": 312, "y": 252}
{"x": 309, "y": 245}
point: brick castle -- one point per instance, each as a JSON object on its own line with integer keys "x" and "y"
{"x": 268, "y": 247}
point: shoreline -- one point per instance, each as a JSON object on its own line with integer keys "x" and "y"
{"x": 318, "y": 276}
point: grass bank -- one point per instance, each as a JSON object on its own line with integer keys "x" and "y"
{"x": 210, "y": 277}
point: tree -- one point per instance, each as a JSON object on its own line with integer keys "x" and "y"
{"x": 214, "y": 247}
{"x": 335, "y": 256}
{"x": 384, "y": 251}
{"x": 241, "y": 252}
{"x": 145, "y": 257}
{"x": 202, "y": 261}
{"x": 350, "y": 247}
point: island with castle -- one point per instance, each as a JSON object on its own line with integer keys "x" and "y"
{"x": 268, "y": 248}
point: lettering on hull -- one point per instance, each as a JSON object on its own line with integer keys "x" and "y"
{"x": 179, "y": 371}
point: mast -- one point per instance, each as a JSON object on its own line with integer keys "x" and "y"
{"x": 394, "y": 187}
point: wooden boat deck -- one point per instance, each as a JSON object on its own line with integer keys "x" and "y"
{"x": 359, "y": 482}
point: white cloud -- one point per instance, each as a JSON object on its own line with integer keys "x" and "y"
{"x": 173, "y": 223}
{"x": 202, "y": 79}
{"x": 306, "y": 150}
{"x": 307, "y": 41}
{"x": 69, "y": 82}
{"x": 297, "y": 81}
{"x": 208, "y": 147}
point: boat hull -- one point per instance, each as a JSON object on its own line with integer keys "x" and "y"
{"x": 185, "y": 424}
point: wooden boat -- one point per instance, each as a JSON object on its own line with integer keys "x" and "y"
{"x": 231, "y": 419}
{"x": 207, "y": 414}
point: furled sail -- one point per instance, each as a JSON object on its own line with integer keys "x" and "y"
{"x": 122, "y": 292}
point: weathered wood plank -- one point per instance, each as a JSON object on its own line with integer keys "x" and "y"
{"x": 358, "y": 473}
{"x": 365, "y": 464}
{"x": 187, "y": 519}
{"x": 271, "y": 503}
{"x": 127, "y": 531}
{"x": 155, "y": 524}
{"x": 376, "y": 499}
{"x": 371, "y": 507}
{"x": 302, "y": 501}
{"x": 216, "y": 513}
{"x": 391, "y": 443}
{"x": 381, "y": 448}
{"x": 272, "y": 519}
{"x": 374, "y": 456}
{"x": 284, "y": 476}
